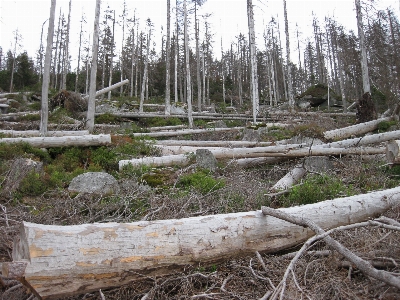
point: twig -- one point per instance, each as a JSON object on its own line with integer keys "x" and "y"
{"x": 222, "y": 288}
{"x": 102, "y": 295}
{"x": 361, "y": 264}
{"x": 266, "y": 295}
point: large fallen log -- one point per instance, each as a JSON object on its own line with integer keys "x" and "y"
{"x": 185, "y": 132}
{"x": 357, "y": 129}
{"x": 110, "y": 88}
{"x": 184, "y": 159}
{"x": 33, "y": 133}
{"x": 62, "y": 141}
{"x": 212, "y": 143}
{"x": 365, "y": 140}
{"x": 57, "y": 261}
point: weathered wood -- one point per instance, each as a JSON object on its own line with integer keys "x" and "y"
{"x": 185, "y": 132}
{"x": 365, "y": 140}
{"x": 62, "y": 141}
{"x": 183, "y": 159}
{"x": 110, "y": 88}
{"x": 289, "y": 179}
{"x": 33, "y": 133}
{"x": 230, "y": 144}
{"x": 69, "y": 260}
{"x": 161, "y": 128}
{"x": 357, "y": 129}
{"x": 14, "y": 270}
{"x": 392, "y": 152}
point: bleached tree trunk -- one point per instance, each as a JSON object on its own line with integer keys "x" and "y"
{"x": 146, "y": 63}
{"x": 253, "y": 60}
{"x": 133, "y": 55}
{"x": 111, "y": 57}
{"x": 364, "y": 62}
{"x": 44, "y": 111}
{"x": 93, "y": 71}
{"x": 198, "y": 60}
{"x": 357, "y": 129}
{"x": 13, "y": 64}
{"x": 62, "y": 141}
{"x": 137, "y": 60}
{"x": 40, "y": 53}
{"x": 121, "y": 61}
{"x": 66, "y": 57}
{"x": 110, "y": 88}
{"x": 289, "y": 179}
{"x": 288, "y": 67}
{"x": 33, "y": 133}
{"x": 223, "y": 73}
{"x": 188, "y": 80}
{"x": 176, "y": 52}
{"x": 392, "y": 152}
{"x": 84, "y": 258}
{"x": 87, "y": 70}
{"x": 79, "y": 57}
{"x": 56, "y": 52}
{"x": 167, "y": 62}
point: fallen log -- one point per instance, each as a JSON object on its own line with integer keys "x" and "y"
{"x": 185, "y": 132}
{"x": 160, "y": 128}
{"x": 58, "y": 261}
{"x": 62, "y": 141}
{"x": 365, "y": 140}
{"x": 184, "y": 159}
{"x": 357, "y": 129}
{"x": 289, "y": 179}
{"x": 212, "y": 143}
{"x": 33, "y": 133}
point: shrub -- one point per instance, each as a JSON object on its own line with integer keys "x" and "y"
{"x": 201, "y": 181}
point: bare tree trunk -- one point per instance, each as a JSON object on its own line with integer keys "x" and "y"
{"x": 56, "y": 53}
{"x": 133, "y": 54}
{"x": 253, "y": 60}
{"x": 289, "y": 68}
{"x": 79, "y": 57}
{"x": 66, "y": 57}
{"x": 13, "y": 64}
{"x": 44, "y": 112}
{"x": 188, "y": 81}
{"x": 364, "y": 62}
{"x": 87, "y": 70}
{"x": 40, "y": 53}
{"x": 122, "y": 46}
{"x": 137, "y": 59}
{"x": 111, "y": 58}
{"x": 167, "y": 62}
{"x": 93, "y": 71}
{"x": 198, "y": 60}
{"x": 223, "y": 73}
{"x": 145, "y": 71}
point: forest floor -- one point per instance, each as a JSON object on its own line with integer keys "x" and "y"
{"x": 316, "y": 276}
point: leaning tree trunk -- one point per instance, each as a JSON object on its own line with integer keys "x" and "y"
{"x": 44, "y": 112}
{"x": 59, "y": 261}
{"x": 93, "y": 71}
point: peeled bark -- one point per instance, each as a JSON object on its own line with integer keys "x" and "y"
{"x": 357, "y": 129}
{"x": 58, "y": 261}
{"x": 62, "y": 141}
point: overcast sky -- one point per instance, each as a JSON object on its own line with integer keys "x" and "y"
{"x": 229, "y": 18}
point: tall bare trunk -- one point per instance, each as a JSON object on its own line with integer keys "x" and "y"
{"x": 364, "y": 62}
{"x": 40, "y": 53}
{"x": 121, "y": 64}
{"x": 253, "y": 60}
{"x": 56, "y": 54}
{"x": 44, "y": 112}
{"x": 66, "y": 47}
{"x": 112, "y": 58}
{"x": 197, "y": 60}
{"x": 13, "y": 64}
{"x": 79, "y": 57}
{"x": 289, "y": 68}
{"x": 188, "y": 81}
{"x": 146, "y": 63}
{"x": 167, "y": 62}
{"x": 93, "y": 71}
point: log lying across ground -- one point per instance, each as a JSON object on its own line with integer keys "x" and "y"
{"x": 357, "y": 129}
{"x": 36, "y": 133}
{"x": 62, "y": 141}
{"x": 212, "y": 143}
{"x": 184, "y": 159}
{"x": 185, "y": 132}
{"x": 56, "y": 261}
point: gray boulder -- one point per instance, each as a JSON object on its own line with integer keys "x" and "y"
{"x": 251, "y": 135}
{"x": 205, "y": 159}
{"x": 177, "y": 110}
{"x": 94, "y": 183}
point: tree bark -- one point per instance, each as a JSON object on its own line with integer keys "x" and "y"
{"x": 66, "y": 58}
{"x": 70, "y": 260}
{"x": 187, "y": 66}
{"x": 62, "y": 141}
{"x": 93, "y": 71}
{"x": 44, "y": 112}
{"x": 253, "y": 60}
{"x": 146, "y": 66}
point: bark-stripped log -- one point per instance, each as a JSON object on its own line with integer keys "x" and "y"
{"x": 392, "y": 152}
{"x": 357, "y": 129}
{"x": 183, "y": 159}
{"x": 184, "y": 132}
{"x": 161, "y": 128}
{"x": 69, "y": 260}
{"x": 289, "y": 179}
{"x": 365, "y": 140}
{"x": 110, "y": 88}
{"x": 229, "y": 144}
{"x": 33, "y": 133}
{"x": 62, "y": 141}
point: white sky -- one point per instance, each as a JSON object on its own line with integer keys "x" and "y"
{"x": 228, "y": 20}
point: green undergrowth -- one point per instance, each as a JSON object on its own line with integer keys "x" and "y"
{"x": 61, "y": 165}
{"x": 202, "y": 181}
{"x": 316, "y": 188}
